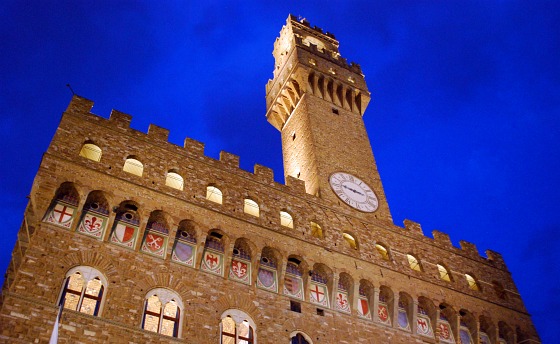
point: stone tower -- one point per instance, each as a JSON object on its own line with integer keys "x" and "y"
{"x": 316, "y": 100}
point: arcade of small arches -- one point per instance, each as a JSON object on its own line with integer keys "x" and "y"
{"x": 240, "y": 260}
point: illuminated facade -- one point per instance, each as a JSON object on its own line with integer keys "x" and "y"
{"x": 144, "y": 241}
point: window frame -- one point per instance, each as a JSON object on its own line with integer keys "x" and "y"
{"x": 239, "y": 317}
{"x": 88, "y": 274}
{"x": 165, "y": 296}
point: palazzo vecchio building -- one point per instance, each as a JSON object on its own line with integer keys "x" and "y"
{"x": 143, "y": 241}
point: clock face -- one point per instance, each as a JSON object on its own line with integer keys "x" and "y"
{"x": 354, "y": 192}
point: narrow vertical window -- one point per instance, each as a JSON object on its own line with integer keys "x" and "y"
{"x": 316, "y": 230}
{"x": 382, "y": 251}
{"x": 91, "y": 152}
{"x": 443, "y": 273}
{"x": 350, "y": 240}
{"x": 473, "y": 285}
{"x": 413, "y": 263}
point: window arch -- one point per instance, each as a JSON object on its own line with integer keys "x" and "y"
{"x": 91, "y": 151}
{"x": 473, "y": 284}
{"x": 414, "y": 263}
{"x": 214, "y": 194}
{"x": 286, "y": 219}
{"x": 236, "y": 327}
{"x": 174, "y": 180}
{"x": 300, "y": 338}
{"x": 83, "y": 290}
{"x": 251, "y": 207}
{"x": 444, "y": 273}
{"x": 162, "y": 312}
{"x": 133, "y": 166}
{"x": 350, "y": 240}
{"x": 383, "y": 252}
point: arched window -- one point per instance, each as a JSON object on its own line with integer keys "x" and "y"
{"x": 162, "y": 312}
{"x": 350, "y": 240}
{"x": 174, "y": 180}
{"x": 443, "y": 273}
{"x": 213, "y": 194}
{"x": 316, "y": 230}
{"x": 413, "y": 263}
{"x": 133, "y": 166}
{"x": 83, "y": 290}
{"x": 237, "y": 327}
{"x": 382, "y": 251}
{"x": 300, "y": 338}
{"x": 251, "y": 207}
{"x": 91, "y": 152}
{"x": 473, "y": 285}
{"x": 286, "y": 219}
{"x": 156, "y": 235}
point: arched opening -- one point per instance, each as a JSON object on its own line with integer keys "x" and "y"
{"x": 184, "y": 248}
{"x": 95, "y": 215}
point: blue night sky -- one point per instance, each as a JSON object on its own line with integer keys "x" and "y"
{"x": 464, "y": 118}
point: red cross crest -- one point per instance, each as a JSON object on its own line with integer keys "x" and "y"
{"x": 319, "y": 295}
{"x": 64, "y": 216}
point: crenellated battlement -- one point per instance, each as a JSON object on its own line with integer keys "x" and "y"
{"x": 158, "y": 136}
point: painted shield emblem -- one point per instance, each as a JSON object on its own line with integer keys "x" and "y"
{"x": 124, "y": 233}
{"x": 382, "y": 313}
{"x": 239, "y": 269}
{"x": 403, "y": 319}
{"x": 92, "y": 223}
{"x": 266, "y": 278}
{"x": 292, "y": 285}
{"x": 317, "y": 293}
{"x": 465, "y": 337}
{"x": 212, "y": 261}
{"x": 154, "y": 242}
{"x": 183, "y": 252}
{"x": 62, "y": 214}
{"x": 444, "y": 332}
{"x": 423, "y": 326}
{"x": 342, "y": 302}
{"x": 363, "y": 308}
